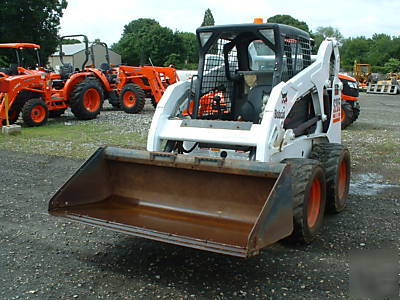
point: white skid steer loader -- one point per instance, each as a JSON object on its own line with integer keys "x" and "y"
{"x": 245, "y": 154}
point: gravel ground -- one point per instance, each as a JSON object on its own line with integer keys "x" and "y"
{"x": 43, "y": 257}
{"x": 130, "y": 122}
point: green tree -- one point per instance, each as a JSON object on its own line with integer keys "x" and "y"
{"x": 376, "y": 51}
{"x": 173, "y": 59}
{"x": 208, "y": 19}
{"x": 190, "y": 48}
{"x": 140, "y": 25}
{"x": 324, "y": 32}
{"x": 380, "y": 49}
{"x": 392, "y": 66}
{"x": 395, "y": 48}
{"x": 354, "y": 49}
{"x": 71, "y": 41}
{"x": 35, "y": 21}
{"x": 147, "y": 38}
{"x": 289, "y": 20}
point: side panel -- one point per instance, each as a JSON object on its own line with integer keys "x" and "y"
{"x": 276, "y": 218}
{"x": 90, "y": 183}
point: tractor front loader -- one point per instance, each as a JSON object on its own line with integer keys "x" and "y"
{"x": 24, "y": 87}
{"x": 136, "y": 83}
{"x": 243, "y": 155}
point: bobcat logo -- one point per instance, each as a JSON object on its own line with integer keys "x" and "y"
{"x": 284, "y": 98}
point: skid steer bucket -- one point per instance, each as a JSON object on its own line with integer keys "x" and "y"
{"x": 227, "y": 206}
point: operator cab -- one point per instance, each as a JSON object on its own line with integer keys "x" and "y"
{"x": 240, "y": 64}
{"x": 15, "y": 55}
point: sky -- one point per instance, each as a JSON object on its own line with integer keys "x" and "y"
{"x": 105, "y": 19}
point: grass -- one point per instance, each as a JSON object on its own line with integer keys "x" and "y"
{"x": 76, "y": 139}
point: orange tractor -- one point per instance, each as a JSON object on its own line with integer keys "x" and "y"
{"x": 17, "y": 85}
{"x": 127, "y": 86}
{"x": 39, "y": 94}
{"x": 350, "y": 107}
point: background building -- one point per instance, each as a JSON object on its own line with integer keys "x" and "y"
{"x": 74, "y": 54}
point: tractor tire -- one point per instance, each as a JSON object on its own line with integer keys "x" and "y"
{"x": 56, "y": 113}
{"x": 13, "y": 115}
{"x": 132, "y": 99}
{"x": 346, "y": 114}
{"x": 153, "y": 101}
{"x": 356, "y": 111}
{"x": 115, "y": 105}
{"x": 335, "y": 158}
{"x": 309, "y": 198}
{"x": 87, "y": 99}
{"x": 113, "y": 99}
{"x": 35, "y": 112}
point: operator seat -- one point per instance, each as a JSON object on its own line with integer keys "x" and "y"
{"x": 105, "y": 67}
{"x": 66, "y": 71}
{"x": 251, "y": 109}
{"x": 13, "y": 70}
{"x": 260, "y": 87}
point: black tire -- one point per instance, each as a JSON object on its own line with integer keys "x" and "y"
{"x": 113, "y": 99}
{"x": 56, "y": 113}
{"x": 356, "y": 111}
{"x": 346, "y": 114}
{"x": 35, "y": 112}
{"x": 13, "y": 115}
{"x": 86, "y": 99}
{"x": 115, "y": 105}
{"x": 309, "y": 198}
{"x": 336, "y": 160}
{"x": 153, "y": 101}
{"x": 132, "y": 99}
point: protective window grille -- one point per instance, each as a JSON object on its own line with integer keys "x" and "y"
{"x": 216, "y": 91}
{"x": 297, "y": 56}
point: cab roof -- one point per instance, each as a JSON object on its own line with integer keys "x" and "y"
{"x": 19, "y": 45}
{"x": 282, "y": 28}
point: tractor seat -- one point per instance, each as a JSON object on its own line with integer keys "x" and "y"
{"x": 13, "y": 70}
{"x": 105, "y": 67}
{"x": 66, "y": 71}
{"x": 112, "y": 78}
